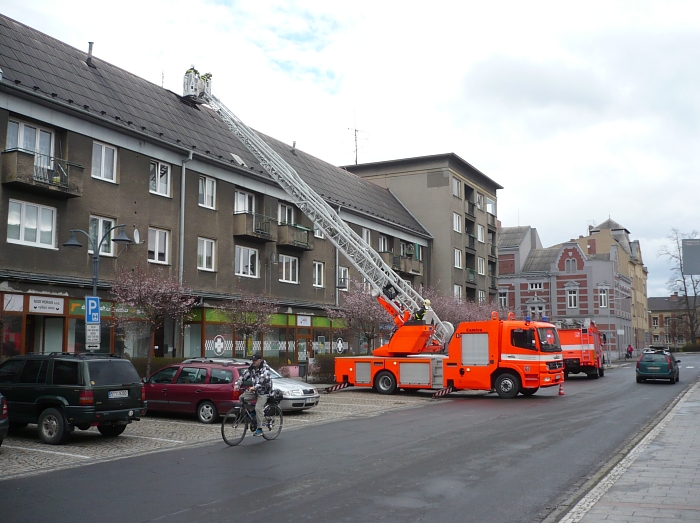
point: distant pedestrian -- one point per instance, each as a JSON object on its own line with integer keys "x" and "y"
{"x": 630, "y": 350}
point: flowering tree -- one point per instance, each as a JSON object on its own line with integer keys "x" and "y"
{"x": 249, "y": 314}
{"x": 449, "y": 308}
{"x": 364, "y": 315}
{"x": 155, "y": 296}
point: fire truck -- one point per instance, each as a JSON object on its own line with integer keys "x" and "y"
{"x": 582, "y": 347}
{"x": 507, "y": 356}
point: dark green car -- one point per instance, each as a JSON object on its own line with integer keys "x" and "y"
{"x": 61, "y": 392}
{"x": 658, "y": 364}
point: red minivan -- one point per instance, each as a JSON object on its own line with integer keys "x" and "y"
{"x": 196, "y": 386}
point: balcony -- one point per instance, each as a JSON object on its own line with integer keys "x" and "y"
{"x": 471, "y": 276}
{"x": 410, "y": 265}
{"x": 492, "y": 281}
{"x": 492, "y": 250}
{"x": 295, "y": 236}
{"x": 471, "y": 208}
{"x": 254, "y": 226}
{"x": 491, "y": 220}
{"x": 393, "y": 261}
{"x": 46, "y": 175}
{"x": 471, "y": 242}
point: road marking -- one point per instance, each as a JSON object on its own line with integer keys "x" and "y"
{"x": 48, "y": 452}
{"x": 157, "y": 439}
{"x": 690, "y": 367}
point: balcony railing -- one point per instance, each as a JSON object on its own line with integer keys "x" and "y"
{"x": 42, "y": 173}
{"x": 471, "y": 208}
{"x": 296, "y": 236}
{"x": 493, "y": 250}
{"x": 491, "y": 219}
{"x": 471, "y": 241}
{"x": 254, "y": 226}
{"x": 471, "y": 276}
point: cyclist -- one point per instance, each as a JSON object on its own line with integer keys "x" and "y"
{"x": 259, "y": 374}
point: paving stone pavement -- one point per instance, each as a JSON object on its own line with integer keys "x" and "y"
{"x": 23, "y": 454}
{"x": 658, "y": 481}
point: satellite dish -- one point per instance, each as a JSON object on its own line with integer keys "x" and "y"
{"x": 137, "y": 237}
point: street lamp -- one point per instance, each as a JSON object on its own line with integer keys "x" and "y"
{"x": 121, "y": 238}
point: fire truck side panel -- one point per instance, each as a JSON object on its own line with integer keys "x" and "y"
{"x": 412, "y": 373}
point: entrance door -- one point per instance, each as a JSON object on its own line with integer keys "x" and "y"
{"x": 44, "y": 334}
{"x": 304, "y": 348}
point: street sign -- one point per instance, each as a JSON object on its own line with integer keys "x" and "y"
{"x": 92, "y": 336}
{"x": 691, "y": 256}
{"x": 92, "y": 310}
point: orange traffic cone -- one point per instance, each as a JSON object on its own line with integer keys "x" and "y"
{"x": 561, "y": 389}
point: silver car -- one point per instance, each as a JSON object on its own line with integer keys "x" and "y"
{"x": 296, "y": 395}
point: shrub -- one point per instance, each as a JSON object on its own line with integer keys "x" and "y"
{"x": 324, "y": 370}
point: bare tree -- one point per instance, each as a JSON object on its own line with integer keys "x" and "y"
{"x": 156, "y": 296}
{"x": 249, "y": 314}
{"x": 364, "y": 315}
{"x": 686, "y": 285}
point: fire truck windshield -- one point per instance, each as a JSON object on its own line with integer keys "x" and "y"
{"x": 549, "y": 339}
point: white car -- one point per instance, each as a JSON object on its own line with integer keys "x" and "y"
{"x": 296, "y": 395}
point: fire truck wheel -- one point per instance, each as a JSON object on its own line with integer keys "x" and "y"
{"x": 592, "y": 375}
{"x": 528, "y": 392}
{"x": 507, "y": 385}
{"x": 385, "y": 383}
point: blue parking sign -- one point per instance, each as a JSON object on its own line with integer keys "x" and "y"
{"x": 92, "y": 309}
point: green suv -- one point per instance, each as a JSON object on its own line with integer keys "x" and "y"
{"x": 61, "y": 392}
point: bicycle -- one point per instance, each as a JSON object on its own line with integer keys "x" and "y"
{"x": 237, "y": 420}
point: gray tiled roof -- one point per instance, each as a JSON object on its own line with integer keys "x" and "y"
{"x": 610, "y": 224}
{"x": 541, "y": 260}
{"x": 45, "y": 68}
{"x": 511, "y": 236}
{"x": 665, "y": 303}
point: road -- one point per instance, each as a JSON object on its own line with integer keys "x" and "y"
{"x": 471, "y": 458}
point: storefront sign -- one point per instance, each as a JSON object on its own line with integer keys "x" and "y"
{"x": 43, "y": 305}
{"x": 303, "y": 321}
{"x": 14, "y": 302}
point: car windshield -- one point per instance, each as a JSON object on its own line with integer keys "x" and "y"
{"x": 549, "y": 339}
{"x": 112, "y": 372}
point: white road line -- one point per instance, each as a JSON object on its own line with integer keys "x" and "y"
{"x": 690, "y": 367}
{"x": 157, "y": 439}
{"x": 48, "y": 452}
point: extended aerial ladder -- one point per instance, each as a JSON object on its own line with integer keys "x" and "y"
{"x": 392, "y": 292}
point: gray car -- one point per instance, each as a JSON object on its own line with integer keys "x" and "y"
{"x": 296, "y": 395}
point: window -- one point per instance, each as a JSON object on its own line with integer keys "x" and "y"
{"x": 457, "y": 292}
{"x": 480, "y": 233}
{"x": 481, "y": 265}
{"x": 31, "y": 224}
{"x": 31, "y": 138}
{"x": 160, "y": 179}
{"x": 98, "y": 228}
{"x": 490, "y": 206}
{"x": 383, "y": 244}
{"x": 535, "y": 286}
{"x": 420, "y": 253}
{"x": 655, "y": 321}
{"x": 523, "y": 338}
{"x": 456, "y": 222}
{"x": 367, "y": 236}
{"x": 603, "y": 297}
{"x": 104, "y": 162}
{"x": 318, "y": 233}
{"x": 572, "y": 298}
{"x": 246, "y": 262}
{"x": 285, "y": 214}
{"x": 503, "y": 299}
{"x": 221, "y": 376}
{"x": 667, "y": 322}
{"x": 536, "y": 311}
{"x": 244, "y": 203}
{"x": 481, "y": 296}
{"x": 458, "y": 258}
{"x": 318, "y": 273}
{"x": 656, "y": 338}
{"x": 456, "y": 188}
{"x": 207, "y": 192}
{"x": 158, "y": 247}
{"x": 343, "y": 278}
{"x": 66, "y": 373}
{"x": 571, "y": 265}
{"x": 206, "y": 252}
{"x": 479, "y": 201}
{"x": 288, "y": 269}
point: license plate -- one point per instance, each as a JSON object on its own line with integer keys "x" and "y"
{"x": 118, "y": 394}
{"x": 653, "y": 368}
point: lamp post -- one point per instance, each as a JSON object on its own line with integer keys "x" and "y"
{"x": 121, "y": 238}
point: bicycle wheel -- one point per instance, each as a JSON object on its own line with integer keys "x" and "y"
{"x": 233, "y": 427}
{"x": 272, "y": 424}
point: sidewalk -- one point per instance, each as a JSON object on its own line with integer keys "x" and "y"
{"x": 658, "y": 480}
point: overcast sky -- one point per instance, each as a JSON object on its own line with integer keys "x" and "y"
{"x": 580, "y": 110}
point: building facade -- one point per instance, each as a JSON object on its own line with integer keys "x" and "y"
{"x": 88, "y": 146}
{"x": 457, "y": 203}
{"x": 668, "y": 321}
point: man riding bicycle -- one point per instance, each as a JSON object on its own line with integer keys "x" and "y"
{"x": 259, "y": 374}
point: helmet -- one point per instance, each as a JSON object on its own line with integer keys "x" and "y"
{"x": 427, "y": 303}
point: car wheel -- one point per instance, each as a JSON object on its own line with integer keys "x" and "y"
{"x": 52, "y": 427}
{"x": 385, "y": 383}
{"x": 111, "y": 431}
{"x": 206, "y": 412}
{"x": 507, "y": 385}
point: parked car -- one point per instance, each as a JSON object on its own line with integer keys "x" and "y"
{"x": 61, "y": 392}
{"x": 4, "y": 418}
{"x": 296, "y": 395}
{"x": 656, "y": 364}
{"x": 194, "y": 386}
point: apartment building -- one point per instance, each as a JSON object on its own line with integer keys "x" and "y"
{"x": 562, "y": 283}
{"x": 90, "y": 147}
{"x": 457, "y": 203}
{"x": 669, "y": 324}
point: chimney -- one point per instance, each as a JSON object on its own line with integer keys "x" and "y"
{"x": 89, "y": 56}
{"x": 674, "y": 296}
{"x": 590, "y": 244}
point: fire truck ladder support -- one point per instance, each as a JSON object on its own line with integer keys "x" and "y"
{"x": 443, "y": 392}
{"x": 339, "y": 386}
{"x": 367, "y": 261}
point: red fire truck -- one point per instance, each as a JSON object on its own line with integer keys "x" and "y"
{"x": 582, "y": 347}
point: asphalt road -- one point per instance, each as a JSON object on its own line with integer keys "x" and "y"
{"x": 472, "y": 458}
